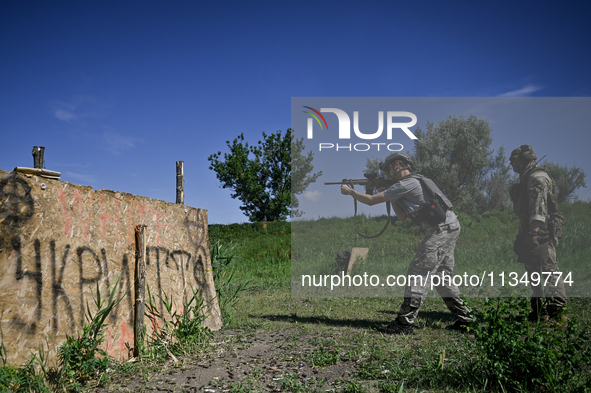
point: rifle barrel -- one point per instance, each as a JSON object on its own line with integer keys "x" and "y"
{"x": 347, "y": 181}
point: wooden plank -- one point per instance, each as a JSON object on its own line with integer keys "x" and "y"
{"x": 140, "y": 287}
{"x": 39, "y": 172}
{"x": 38, "y": 160}
{"x": 180, "y": 183}
{"x": 358, "y": 254}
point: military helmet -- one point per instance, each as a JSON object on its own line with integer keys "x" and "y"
{"x": 524, "y": 153}
{"x": 401, "y": 157}
{"x": 521, "y": 157}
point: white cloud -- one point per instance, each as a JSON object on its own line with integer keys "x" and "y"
{"x": 79, "y": 108}
{"x": 313, "y": 196}
{"x": 64, "y": 115}
{"x": 523, "y": 92}
{"x": 116, "y": 143}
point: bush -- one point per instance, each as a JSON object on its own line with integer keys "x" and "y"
{"x": 177, "y": 332}
{"x": 80, "y": 358}
{"x": 514, "y": 354}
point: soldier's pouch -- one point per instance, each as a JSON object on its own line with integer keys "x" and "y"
{"x": 555, "y": 224}
{"x": 540, "y": 252}
{"x": 432, "y": 212}
{"x": 519, "y": 249}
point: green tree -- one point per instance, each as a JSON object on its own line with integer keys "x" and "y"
{"x": 456, "y": 154}
{"x": 260, "y": 176}
{"x": 372, "y": 165}
{"x": 302, "y": 174}
{"x": 568, "y": 180}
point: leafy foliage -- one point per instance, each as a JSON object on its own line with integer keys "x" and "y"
{"x": 227, "y": 289}
{"x": 176, "y": 332}
{"x": 456, "y": 154}
{"x": 372, "y": 165}
{"x": 260, "y": 176}
{"x": 302, "y": 174}
{"x": 262, "y": 183}
{"x": 28, "y": 378}
{"x": 568, "y": 180}
{"x": 516, "y": 354}
{"x": 80, "y": 358}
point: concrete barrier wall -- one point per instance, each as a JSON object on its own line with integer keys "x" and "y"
{"x": 58, "y": 240}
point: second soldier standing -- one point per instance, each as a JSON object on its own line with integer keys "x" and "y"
{"x": 540, "y": 227}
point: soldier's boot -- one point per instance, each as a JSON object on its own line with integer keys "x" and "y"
{"x": 396, "y": 327}
{"x": 534, "y": 317}
{"x": 557, "y": 315}
{"x": 539, "y": 312}
{"x": 458, "y": 326}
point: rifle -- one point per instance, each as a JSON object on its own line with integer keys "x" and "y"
{"x": 371, "y": 182}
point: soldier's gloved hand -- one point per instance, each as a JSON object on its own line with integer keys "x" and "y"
{"x": 531, "y": 241}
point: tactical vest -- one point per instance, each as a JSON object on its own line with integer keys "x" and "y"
{"x": 432, "y": 212}
{"x": 519, "y": 194}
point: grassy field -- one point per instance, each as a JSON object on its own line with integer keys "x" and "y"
{"x": 503, "y": 353}
{"x": 274, "y": 341}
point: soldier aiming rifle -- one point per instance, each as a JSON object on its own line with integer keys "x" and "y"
{"x": 418, "y": 198}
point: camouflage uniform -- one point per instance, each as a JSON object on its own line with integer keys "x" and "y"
{"x": 534, "y": 199}
{"x": 434, "y": 256}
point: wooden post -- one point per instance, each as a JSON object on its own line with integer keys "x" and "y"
{"x": 139, "y": 287}
{"x": 180, "y": 183}
{"x": 38, "y": 160}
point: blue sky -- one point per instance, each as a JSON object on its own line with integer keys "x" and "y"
{"x": 119, "y": 91}
{"x": 551, "y": 124}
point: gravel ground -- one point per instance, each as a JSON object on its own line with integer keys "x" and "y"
{"x": 243, "y": 362}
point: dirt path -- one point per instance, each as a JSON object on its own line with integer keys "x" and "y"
{"x": 244, "y": 362}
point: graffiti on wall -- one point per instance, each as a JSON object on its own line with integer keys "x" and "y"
{"x": 56, "y": 259}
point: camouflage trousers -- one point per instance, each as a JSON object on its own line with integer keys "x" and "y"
{"x": 546, "y": 299}
{"x": 435, "y": 256}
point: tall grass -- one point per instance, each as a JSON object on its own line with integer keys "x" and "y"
{"x": 545, "y": 358}
{"x": 485, "y": 248}
{"x": 260, "y": 253}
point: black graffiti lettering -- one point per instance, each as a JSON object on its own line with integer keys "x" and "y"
{"x": 93, "y": 268}
{"x": 180, "y": 254}
{"x": 17, "y": 205}
{"x": 125, "y": 279}
{"x": 57, "y": 288}
{"x": 158, "y": 276}
{"x": 112, "y": 315}
{"x": 16, "y": 246}
{"x": 84, "y": 280}
{"x": 198, "y": 273}
{"x": 36, "y": 275}
{"x": 195, "y": 227}
{"x": 179, "y": 262}
{"x": 29, "y": 328}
